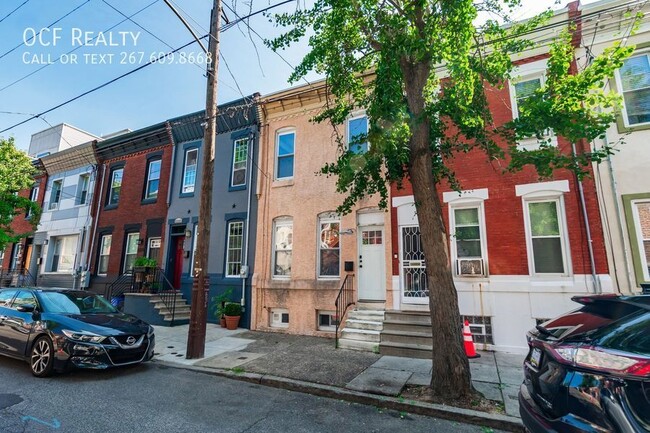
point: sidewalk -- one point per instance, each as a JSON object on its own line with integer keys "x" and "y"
{"x": 314, "y": 360}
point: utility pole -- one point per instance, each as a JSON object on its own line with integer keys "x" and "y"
{"x": 201, "y": 284}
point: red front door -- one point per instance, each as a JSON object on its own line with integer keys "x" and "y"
{"x": 178, "y": 260}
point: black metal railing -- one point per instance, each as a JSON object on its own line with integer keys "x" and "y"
{"x": 16, "y": 278}
{"x": 344, "y": 299}
{"x": 144, "y": 280}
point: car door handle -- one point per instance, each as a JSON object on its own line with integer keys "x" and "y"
{"x": 3, "y": 318}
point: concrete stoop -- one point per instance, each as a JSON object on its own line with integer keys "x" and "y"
{"x": 182, "y": 309}
{"x": 362, "y": 330}
{"x": 406, "y": 334}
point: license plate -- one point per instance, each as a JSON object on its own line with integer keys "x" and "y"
{"x": 535, "y": 357}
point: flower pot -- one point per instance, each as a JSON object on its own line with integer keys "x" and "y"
{"x": 222, "y": 321}
{"x": 232, "y": 322}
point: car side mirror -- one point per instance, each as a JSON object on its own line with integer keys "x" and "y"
{"x": 26, "y": 308}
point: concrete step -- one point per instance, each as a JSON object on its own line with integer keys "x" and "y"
{"x": 406, "y": 350}
{"x": 423, "y": 317}
{"x": 161, "y": 306}
{"x": 364, "y": 346}
{"x": 372, "y": 315}
{"x": 405, "y": 337}
{"x": 177, "y": 317}
{"x": 363, "y": 324}
{"x": 361, "y": 335}
{"x": 401, "y": 326}
{"x": 371, "y": 305}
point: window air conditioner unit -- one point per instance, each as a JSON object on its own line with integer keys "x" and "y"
{"x": 470, "y": 267}
{"x": 53, "y": 206}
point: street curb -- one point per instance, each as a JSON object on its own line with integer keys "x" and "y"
{"x": 496, "y": 421}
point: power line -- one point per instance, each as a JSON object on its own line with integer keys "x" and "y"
{"x": 11, "y": 13}
{"x": 75, "y": 49}
{"x": 55, "y": 22}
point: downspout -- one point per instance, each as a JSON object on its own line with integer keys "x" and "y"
{"x": 98, "y": 202}
{"x": 171, "y": 168}
{"x": 248, "y": 218}
{"x": 592, "y": 261}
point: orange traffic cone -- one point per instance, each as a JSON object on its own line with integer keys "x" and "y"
{"x": 469, "y": 343}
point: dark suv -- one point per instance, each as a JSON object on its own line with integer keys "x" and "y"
{"x": 589, "y": 370}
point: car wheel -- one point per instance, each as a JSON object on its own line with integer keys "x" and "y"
{"x": 42, "y": 357}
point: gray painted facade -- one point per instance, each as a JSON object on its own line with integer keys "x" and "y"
{"x": 237, "y": 121}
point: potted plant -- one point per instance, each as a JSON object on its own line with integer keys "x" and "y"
{"x": 218, "y": 304}
{"x": 232, "y": 311}
{"x": 143, "y": 270}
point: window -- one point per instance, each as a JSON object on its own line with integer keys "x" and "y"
{"x": 23, "y": 298}
{"x": 153, "y": 179}
{"x": 239, "y": 161}
{"x": 82, "y": 189}
{"x": 104, "y": 254}
{"x": 481, "y": 328}
{"x": 153, "y": 249}
{"x": 130, "y": 251}
{"x": 357, "y": 131}
{"x": 63, "y": 253}
{"x": 282, "y": 247}
{"x": 546, "y": 236}
{"x": 196, "y": 239}
{"x": 189, "y": 173}
{"x": 55, "y": 194}
{"x": 634, "y": 83}
{"x": 33, "y": 196}
{"x": 234, "y": 248}
{"x": 279, "y": 318}
{"x": 641, "y": 212}
{"x": 523, "y": 90}
{"x": 329, "y": 259}
{"x": 285, "y": 151}
{"x": 326, "y": 320}
{"x": 116, "y": 186}
{"x": 467, "y": 246}
{"x": 6, "y": 296}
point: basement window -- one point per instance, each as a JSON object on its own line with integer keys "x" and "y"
{"x": 326, "y": 321}
{"x": 279, "y": 318}
{"x": 481, "y": 328}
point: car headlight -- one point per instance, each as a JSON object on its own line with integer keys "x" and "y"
{"x": 83, "y": 336}
{"x": 150, "y": 331}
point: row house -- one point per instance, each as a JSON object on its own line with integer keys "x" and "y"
{"x": 234, "y": 202}
{"x": 16, "y": 259}
{"x": 132, "y": 201}
{"x": 623, "y": 189}
{"x": 305, "y": 250}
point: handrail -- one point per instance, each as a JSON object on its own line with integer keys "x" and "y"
{"x": 17, "y": 278}
{"x": 168, "y": 296}
{"x": 343, "y": 301}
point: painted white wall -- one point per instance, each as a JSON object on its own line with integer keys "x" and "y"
{"x": 57, "y": 138}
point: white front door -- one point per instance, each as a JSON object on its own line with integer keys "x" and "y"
{"x": 371, "y": 264}
{"x": 413, "y": 277}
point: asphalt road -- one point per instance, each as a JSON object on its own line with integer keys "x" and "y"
{"x": 154, "y": 398}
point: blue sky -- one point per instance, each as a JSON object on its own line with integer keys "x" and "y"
{"x": 157, "y": 92}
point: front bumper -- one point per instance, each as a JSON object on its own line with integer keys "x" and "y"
{"x": 69, "y": 353}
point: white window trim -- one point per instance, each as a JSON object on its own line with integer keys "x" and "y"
{"x": 355, "y": 116}
{"x": 58, "y": 203}
{"x": 149, "y": 244}
{"x": 468, "y": 203}
{"x": 639, "y": 236}
{"x": 280, "y": 222}
{"x": 126, "y": 249}
{"x": 52, "y": 242}
{"x": 148, "y": 180}
{"x": 110, "y": 188}
{"x": 195, "y": 237}
{"x": 33, "y": 197}
{"x": 323, "y": 219}
{"x": 234, "y": 154}
{"x": 527, "y": 72}
{"x": 619, "y": 86}
{"x": 280, "y": 324}
{"x": 558, "y": 198}
{"x": 184, "y": 186}
{"x": 278, "y": 134}
{"x": 101, "y": 247}
{"x": 330, "y": 328}
{"x": 79, "y": 190}
{"x": 228, "y": 226}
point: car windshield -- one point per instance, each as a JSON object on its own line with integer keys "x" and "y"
{"x": 74, "y": 303}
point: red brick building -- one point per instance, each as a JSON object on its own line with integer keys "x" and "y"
{"x": 132, "y": 200}
{"x": 18, "y": 256}
{"x": 519, "y": 246}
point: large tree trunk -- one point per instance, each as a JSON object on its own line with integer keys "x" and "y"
{"x": 450, "y": 376}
